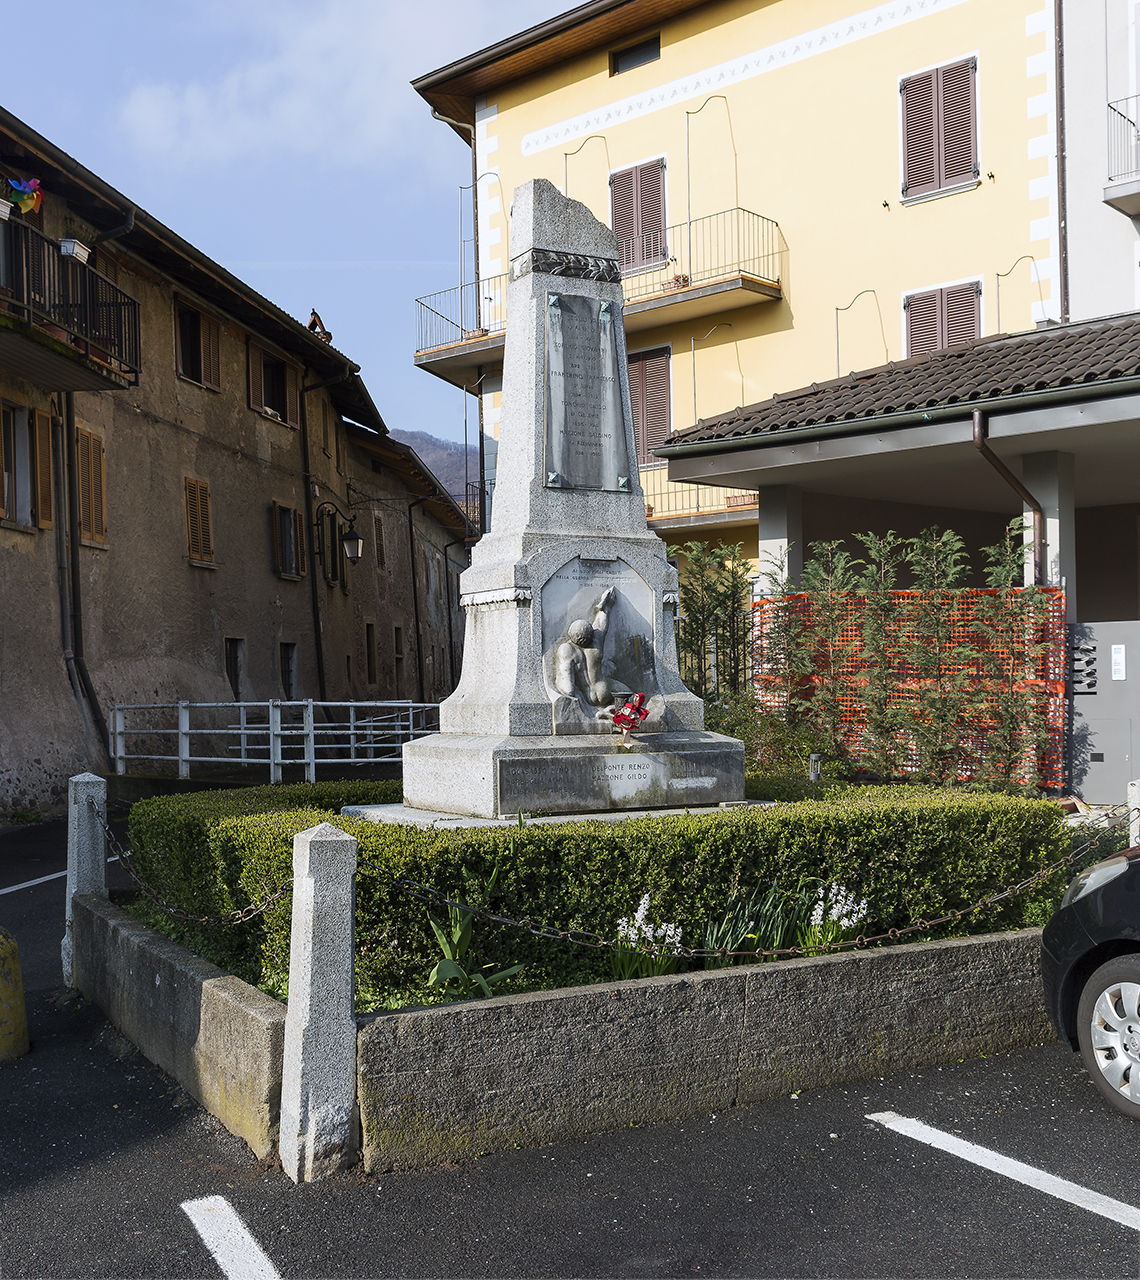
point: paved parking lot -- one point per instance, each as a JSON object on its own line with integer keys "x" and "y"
{"x": 99, "y": 1151}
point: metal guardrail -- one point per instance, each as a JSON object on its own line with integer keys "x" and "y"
{"x": 685, "y": 256}
{"x": 664, "y": 498}
{"x": 1124, "y": 139}
{"x": 42, "y": 286}
{"x": 268, "y": 733}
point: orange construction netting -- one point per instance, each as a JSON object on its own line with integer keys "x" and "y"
{"x": 1034, "y": 661}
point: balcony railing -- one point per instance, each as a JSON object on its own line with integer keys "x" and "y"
{"x": 665, "y": 499}
{"x": 690, "y": 255}
{"x": 67, "y": 299}
{"x": 1124, "y": 139}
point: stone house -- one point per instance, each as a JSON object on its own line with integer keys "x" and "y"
{"x": 181, "y": 460}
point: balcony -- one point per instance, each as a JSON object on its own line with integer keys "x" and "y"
{"x": 669, "y": 505}
{"x": 1123, "y": 189}
{"x": 63, "y": 325}
{"x": 719, "y": 263}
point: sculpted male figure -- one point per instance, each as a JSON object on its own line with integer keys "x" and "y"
{"x": 578, "y": 661}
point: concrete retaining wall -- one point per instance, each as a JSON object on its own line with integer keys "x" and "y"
{"x": 220, "y": 1038}
{"x": 440, "y": 1083}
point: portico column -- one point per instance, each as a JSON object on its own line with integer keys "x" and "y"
{"x": 781, "y": 533}
{"x": 1049, "y": 477}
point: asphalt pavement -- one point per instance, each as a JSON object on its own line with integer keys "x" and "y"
{"x": 99, "y": 1151}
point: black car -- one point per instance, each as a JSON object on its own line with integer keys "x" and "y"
{"x": 1090, "y": 961}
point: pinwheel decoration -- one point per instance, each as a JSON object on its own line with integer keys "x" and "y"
{"x": 26, "y": 194}
{"x": 630, "y": 716}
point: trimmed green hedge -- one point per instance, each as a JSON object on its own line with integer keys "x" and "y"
{"x": 911, "y": 853}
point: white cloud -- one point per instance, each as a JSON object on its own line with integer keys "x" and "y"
{"x": 328, "y": 79}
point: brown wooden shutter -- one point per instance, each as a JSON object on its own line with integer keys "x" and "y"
{"x": 211, "y": 354}
{"x": 92, "y": 486}
{"x": 651, "y": 210}
{"x": 292, "y": 395}
{"x": 378, "y": 525}
{"x": 256, "y": 378}
{"x": 962, "y": 308}
{"x": 85, "y": 486}
{"x": 99, "y": 490}
{"x": 43, "y": 471}
{"x": 923, "y": 328}
{"x": 198, "y": 520}
{"x": 623, "y": 215}
{"x": 299, "y": 542}
{"x": 278, "y": 559}
{"x": 204, "y": 519}
{"x": 958, "y": 132}
{"x": 649, "y": 400}
{"x": 920, "y": 134}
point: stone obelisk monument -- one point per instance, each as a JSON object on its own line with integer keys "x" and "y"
{"x": 569, "y": 599}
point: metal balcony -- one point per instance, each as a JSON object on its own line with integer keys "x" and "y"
{"x": 1123, "y": 189}
{"x": 727, "y": 260}
{"x": 63, "y": 325}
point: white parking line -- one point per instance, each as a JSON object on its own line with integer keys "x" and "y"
{"x": 228, "y": 1239}
{"x": 1115, "y": 1210}
{"x": 55, "y": 875}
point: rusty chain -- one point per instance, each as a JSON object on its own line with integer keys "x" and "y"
{"x": 585, "y": 938}
{"x": 235, "y": 917}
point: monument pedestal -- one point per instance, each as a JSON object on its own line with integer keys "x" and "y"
{"x": 496, "y": 777}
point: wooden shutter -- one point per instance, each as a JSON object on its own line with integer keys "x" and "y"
{"x": 962, "y": 308}
{"x": 299, "y": 542}
{"x": 43, "y": 477}
{"x": 292, "y": 395}
{"x": 256, "y": 380}
{"x": 920, "y": 134}
{"x": 211, "y": 354}
{"x": 623, "y": 214}
{"x": 378, "y": 524}
{"x": 923, "y": 330}
{"x": 5, "y": 414}
{"x": 958, "y": 132}
{"x": 651, "y": 210}
{"x": 278, "y": 550}
{"x": 649, "y": 400}
{"x": 198, "y": 520}
{"x": 91, "y": 486}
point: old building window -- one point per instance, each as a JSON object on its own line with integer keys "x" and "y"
{"x": 649, "y": 399}
{"x": 199, "y": 348}
{"x": 288, "y": 658}
{"x": 92, "y": 487}
{"x": 635, "y": 55}
{"x": 200, "y": 535}
{"x": 940, "y": 129}
{"x": 944, "y": 317}
{"x": 637, "y": 214}
{"x": 274, "y": 386}
{"x": 26, "y": 466}
{"x": 235, "y": 664}
{"x": 288, "y": 541}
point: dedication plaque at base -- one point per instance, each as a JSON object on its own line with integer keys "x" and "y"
{"x": 585, "y": 421}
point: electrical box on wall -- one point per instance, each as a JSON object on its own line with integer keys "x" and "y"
{"x": 1105, "y": 709}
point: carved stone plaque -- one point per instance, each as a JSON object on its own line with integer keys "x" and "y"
{"x": 585, "y": 422}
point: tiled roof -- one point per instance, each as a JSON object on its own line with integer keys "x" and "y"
{"x": 1072, "y": 355}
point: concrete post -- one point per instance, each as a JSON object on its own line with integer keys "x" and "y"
{"x": 1050, "y": 478}
{"x": 1134, "y": 813}
{"x": 780, "y": 533}
{"x": 318, "y": 1085}
{"x": 86, "y": 853}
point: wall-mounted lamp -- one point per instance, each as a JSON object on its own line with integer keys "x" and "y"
{"x": 350, "y": 539}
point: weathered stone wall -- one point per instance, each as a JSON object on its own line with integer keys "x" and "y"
{"x": 446, "y": 1082}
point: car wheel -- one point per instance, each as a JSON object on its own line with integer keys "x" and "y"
{"x": 1108, "y": 1026}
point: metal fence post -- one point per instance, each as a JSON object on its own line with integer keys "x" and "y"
{"x": 1134, "y": 813}
{"x": 119, "y": 720}
{"x": 275, "y": 741}
{"x": 86, "y": 854}
{"x": 310, "y": 742}
{"x": 183, "y": 739}
{"x": 319, "y": 1117}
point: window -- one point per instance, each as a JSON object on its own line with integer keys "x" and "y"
{"x": 288, "y": 541}
{"x": 378, "y": 525}
{"x": 940, "y": 129}
{"x": 92, "y": 487}
{"x": 637, "y": 214}
{"x": 26, "y": 465}
{"x": 199, "y": 348}
{"x": 289, "y": 671}
{"x": 198, "y": 520}
{"x": 943, "y": 317}
{"x": 649, "y": 398}
{"x": 235, "y": 663}
{"x": 274, "y": 386}
{"x": 636, "y": 55}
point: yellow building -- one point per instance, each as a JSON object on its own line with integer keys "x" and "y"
{"x": 801, "y": 188}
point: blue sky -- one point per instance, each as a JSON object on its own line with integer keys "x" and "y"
{"x": 284, "y": 140}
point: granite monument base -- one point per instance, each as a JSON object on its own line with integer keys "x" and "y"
{"x": 496, "y": 777}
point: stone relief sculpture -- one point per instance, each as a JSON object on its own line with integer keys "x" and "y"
{"x": 579, "y": 663}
